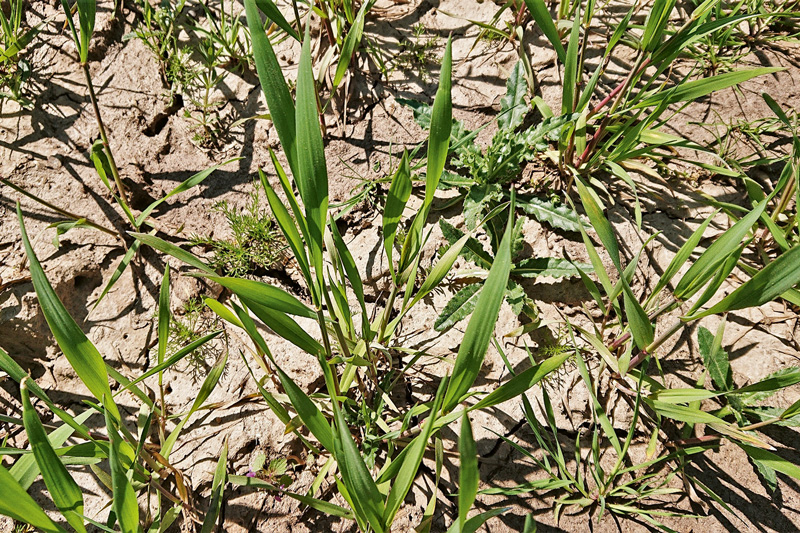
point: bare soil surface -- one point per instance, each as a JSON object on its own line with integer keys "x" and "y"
{"x": 45, "y": 150}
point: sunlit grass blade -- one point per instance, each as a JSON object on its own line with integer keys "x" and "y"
{"x": 481, "y": 325}
{"x": 86, "y": 17}
{"x": 124, "y": 503}
{"x": 350, "y": 45}
{"x": 217, "y": 490}
{"x": 17, "y": 504}
{"x": 707, "y": 264}
{"x": 186, "y": 185}
{"x": 308, "y": 412}
{"x": 540, "y": 13}
{"x": 274, "y": 14}
{"x": 175, "y": 251}
{"x": 769, "y": 283}
{"x": 123, "y": 264}
{"x": 399, "y": 192}
{"x": 79, "y": 351}
{"x": 208, "y": 386}
{"x": 571, "y": 67}
{"x": 285, "y": 326}
{"x": 468, "y": 473}
{"x": 279, "y": 100}
{"x": 312, "y": 172}
{"x": 441, "y": 126}
{"x": 63, "y": 489}
{"x": 367, "y": 500}
{"x": 265, "y": 295}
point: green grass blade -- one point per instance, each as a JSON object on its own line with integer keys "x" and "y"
{"x": 308, "y": 412}
{"x": 656, "y": 23}
{"x": 683, "y": 255}
{"x": 17, "y": 504}
{"x": 767, "y": 284}
{"x": 123, "y": 264}
{"x": 186, "y": 185}
{"x": 366, "y": 499}
{"x": 772, "y": 460}
{"x": 279, "y": 100}
{"x": 175, "y": 251}
{"x": 124, "y": 503}
{"x": 285, "y": 326}
{"x": 217, "y": 490}
{"x": 571, "y": 68}
{"x": 441, "y": 126}
{"x": 320, "y": 505}
{"x": 350, "y": 45}
{"x": 468, "y": 473}
{"x": 522, "y": 382}
{"x": 274, "y": 14}
{"x": 265, "y": 295}
{"x": 79, "y": 351}
{"x": 86, "y": 17}
{"x": 693, "y": 90}
{"x": 481, "y": 325}
{"x": 396, "y": 200}
{"x": 63, "y": 489}
{"x": 164, "y": 316}
{"x": 707, "y": 264}
{"x": 541, "y": 15}
{"x": 312, "y": 173}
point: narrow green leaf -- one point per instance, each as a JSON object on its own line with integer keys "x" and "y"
{"x": 481, "y": 326}
{"x": 175, "y": 251}
{"x": 265, "y": 295}
{"x": 279, "y": 100}
{"x": 124, "y": 503}
{"x": 308, "y": 412}
{"x": 441, "y": 126}
{"x": 63, "y": 489}
{"x": 366, "y": 499}
{"x": 396, "y": 200}
{"x": 270, "y": 9}
{"x": 79, "y": 351}
{"x": 17, "y": 504}
{"x": 772, "y": 460}
{"x": 217, "y": 490}
{"x": 350, "y": 45}
{"x": 319, "y": 505}
{"x": 541, "y": 15}
{"x": 468, "y": 473}
{"x": 86, "y": 16}
{"x": 769, "y": 283}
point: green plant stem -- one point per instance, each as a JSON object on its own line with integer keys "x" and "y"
{"x": 656, "y": 343}
{"x": 104, "y": 139}
{"x": 326, "y": 341}
{"x": 386, "y": 312}
{"x": 60, "y": 211}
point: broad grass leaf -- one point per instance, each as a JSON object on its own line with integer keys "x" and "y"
{"x": 569, "y": 87}
{"x": 771, "y": 460}
{"x": 459, "y": 307}
{"x": 217, "y": 490}
{"x": 350, "y": 45}
{"x": 522, "y": 382}
{"x": 63, "y": 489}
{"x": 693, "y": 90}
{"x": 17, "y": 504}
{"x": 77, "y": 348}
{"x": 441, "y": 125}
{"x": 124, "y": 502}
{"x": 86, "y": 17}
{"x": 288, "y": 227}
{"x": 541, "y": 15}
{"x": 285, "y": 326}
{"x": 270, "y": 9}
{"x": 308, "y": 412}
{"x": 175, "y": 251}
{"x": 279, "y": 100}
{"x": 364, "y": 494}
{"x": 481, "y": 325}
{"x": 656, "y": 23}
{"x": 468, "y": 472}
{"x": 164, "y": 316}
{"x": 312, "y": 173}
{"x": 399, "y": 193}
{"x": 707, "y": 264}
{"x": 769, "y": 283}
{"x": 265, "y": 295}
